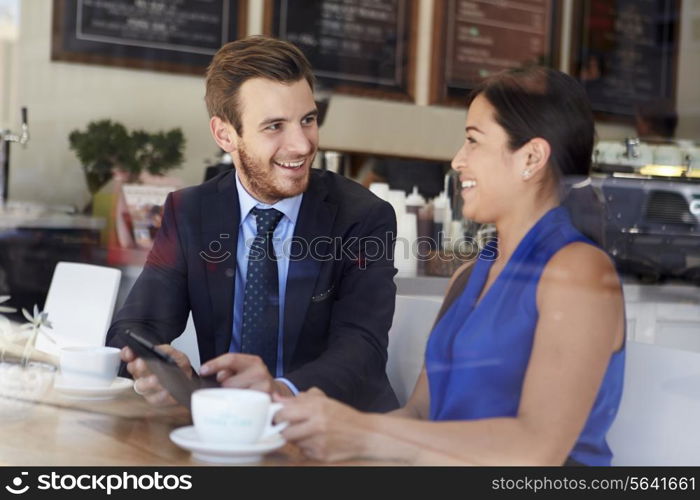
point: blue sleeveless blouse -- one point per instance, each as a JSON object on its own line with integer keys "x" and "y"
{"x": 476, "y": 357}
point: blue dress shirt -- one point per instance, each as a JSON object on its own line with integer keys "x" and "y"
{"x": 246, "y": 233}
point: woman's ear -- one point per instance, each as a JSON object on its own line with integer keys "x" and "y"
{"x": 538, "y": 152}
{"x": 224, "y": 134}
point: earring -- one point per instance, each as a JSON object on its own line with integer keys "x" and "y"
{"x": 526, "y": 173}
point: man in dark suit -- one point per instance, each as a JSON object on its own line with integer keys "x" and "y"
{"x": 288, "y": 272}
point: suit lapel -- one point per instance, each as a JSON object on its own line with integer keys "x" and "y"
{"x": 221, "y": 216}
{"x": 316, "y": 217}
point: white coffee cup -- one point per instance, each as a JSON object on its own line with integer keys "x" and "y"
{"x": 240, "y": 416}
{"x": 95, "y": 366}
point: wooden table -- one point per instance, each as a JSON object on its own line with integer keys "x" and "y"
{"x": 122, "y": 431}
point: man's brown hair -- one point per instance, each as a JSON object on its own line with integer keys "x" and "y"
{"x": 251, "y": 57}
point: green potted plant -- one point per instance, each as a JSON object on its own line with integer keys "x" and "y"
{"x": 106, "y": 147}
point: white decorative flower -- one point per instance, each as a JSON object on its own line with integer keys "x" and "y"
{"x": 37, "y": 320}
{"x": 25, "y": 336}
{"x": 36, "y": 324}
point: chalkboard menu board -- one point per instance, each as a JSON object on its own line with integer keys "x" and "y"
{"x": 163, "y": 35}
{"x": 475, "y": 39}
{"x": 624, "y": 53}
{"x": 354, "y": 46}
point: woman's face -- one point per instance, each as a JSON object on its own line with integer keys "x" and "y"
{"x": 491, "y": 175}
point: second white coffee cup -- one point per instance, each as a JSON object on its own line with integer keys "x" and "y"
{"x": 240, "y": 416}
{"x": 89, "y": 366}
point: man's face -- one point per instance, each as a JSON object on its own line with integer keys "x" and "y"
{"x": 279, "y": 138}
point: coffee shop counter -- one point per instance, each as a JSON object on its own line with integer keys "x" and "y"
{"x": 666, "y": 314}
{"x": 33, "y": 240}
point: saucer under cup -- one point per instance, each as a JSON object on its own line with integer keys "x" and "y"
{"x": 224, "y": 453}
{"x": 119, "y": 386}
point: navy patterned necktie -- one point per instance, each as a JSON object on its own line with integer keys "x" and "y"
{"x": 261, "y": 302}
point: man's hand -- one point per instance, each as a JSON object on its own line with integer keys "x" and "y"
{"x": 244, "y": 371}
{"x": 145, "y": 383}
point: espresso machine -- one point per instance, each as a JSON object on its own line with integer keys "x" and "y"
{"x": 651, "y": 207}
{"x": 7, "y": 137}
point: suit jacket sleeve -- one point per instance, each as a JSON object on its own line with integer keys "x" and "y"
{"x": 352, "y": 367}
{"x": 157, "y": 304}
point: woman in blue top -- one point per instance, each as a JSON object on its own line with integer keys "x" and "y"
{"x": 526, "y": 365}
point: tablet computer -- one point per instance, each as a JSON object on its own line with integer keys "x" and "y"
{"x": 170, "y": 375}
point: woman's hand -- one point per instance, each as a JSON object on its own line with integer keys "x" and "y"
{"x": 324, "y": 429}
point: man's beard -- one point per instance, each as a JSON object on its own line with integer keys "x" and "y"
{"x": 261, "y": 179}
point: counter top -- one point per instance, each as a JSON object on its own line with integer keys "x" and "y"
{"x": 53, "y": 222}
{"x": 667, "y": 293}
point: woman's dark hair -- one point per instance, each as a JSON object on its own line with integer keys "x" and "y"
{"x": 542, "y": 102}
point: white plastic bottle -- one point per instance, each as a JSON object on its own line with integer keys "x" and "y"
{"x": 441, "y": 213}
{"x": 414, "y": 201}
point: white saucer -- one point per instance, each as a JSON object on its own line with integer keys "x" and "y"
{"x": 224, "y": 453}
{"x": 119, "y": 385}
